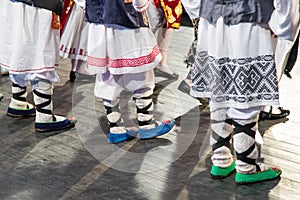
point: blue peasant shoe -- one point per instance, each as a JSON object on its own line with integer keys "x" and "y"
{"x": 55, "y": 125}
{"x": 121, "y": 137}
{"x": 162, "y": 129}
{"x": 20, "y": 113}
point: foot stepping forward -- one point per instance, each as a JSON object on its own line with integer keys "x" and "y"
{"x": 129, "y": 134}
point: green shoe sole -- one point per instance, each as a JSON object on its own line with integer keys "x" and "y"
{"x": 220, "y": 173}
{"x": 268, "y": 175}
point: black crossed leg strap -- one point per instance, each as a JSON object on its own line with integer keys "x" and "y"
{"x": 220, "y": 140}
{"x": 110, "y": 110}
{"x": 247, "y": 129}
{"x": 145, "y": 110}
{"x": 19, "y": 95}
{"x": 40, "y": 107}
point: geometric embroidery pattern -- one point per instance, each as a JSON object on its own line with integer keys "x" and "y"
{"x": 124, "y": 62}
{"x": 235, "y": 80}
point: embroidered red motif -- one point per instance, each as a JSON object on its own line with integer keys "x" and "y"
{"x": 124, "y": 62}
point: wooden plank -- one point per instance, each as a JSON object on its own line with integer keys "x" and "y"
{"x": 62, "y": 167}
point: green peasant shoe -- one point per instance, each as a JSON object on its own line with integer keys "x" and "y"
{"x": 267, "y": 175}
{"x": 220, "y": 173}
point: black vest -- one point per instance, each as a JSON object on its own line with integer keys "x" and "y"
{"x": 114, "y": 12}
{"x": 236, "y": 11}
{"x": 53, "y": 5}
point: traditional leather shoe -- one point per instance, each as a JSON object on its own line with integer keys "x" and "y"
{"x": 73, "y": 76}
{"x": 20, "y": 113}
{"x": 162, "y": 129}
{"x": 65, "y": 124}
{"x": 4, "y": 73}
{"x": 271, "y": 116}
{"x": 161, "y": 73}
{"x": 121, "y": 137}
{"x": 258, "y": 177}
{"x": 184, "y": 87}
{"x": 220, "y": 173}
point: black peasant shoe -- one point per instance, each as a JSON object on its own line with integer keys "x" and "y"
{"x": 271, "y": 116}
{"x": 160, "y": 73}
{"x": 184, "y": 87}
{"x": 73, "y": 76}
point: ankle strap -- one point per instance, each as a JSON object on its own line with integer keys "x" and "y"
{"x": 39, "y": 107}
{"x": 18, "y": 95}
{"x": 247, "y": 129}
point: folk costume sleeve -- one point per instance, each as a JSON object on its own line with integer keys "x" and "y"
{"x": 192, "y": 7}
{"x": 285, "y": 19}
{"x": 80, "y": 3}
{"x": 68, "y": 5}
{"x": 140, "y": 5}
{"x": 172, "y": 11}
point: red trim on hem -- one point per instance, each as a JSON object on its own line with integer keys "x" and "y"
{"x": 72, "y": 51}
{"x": 124, "y": 62}
{"x": 29, "y": 70}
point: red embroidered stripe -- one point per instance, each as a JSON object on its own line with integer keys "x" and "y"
{"x": 98, "y": 62}
{"x": 73, "y": 51}
{"x": 30, "y": 70}
{"x": 62, "y": 47}
{"x": 124, "y": 62}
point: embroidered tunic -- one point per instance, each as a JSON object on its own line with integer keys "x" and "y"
{"x": 235, "y": 64}
{"x": 122, "y": 50}
{"x": 120, "y": 40}
{"x": 29, "y": 44}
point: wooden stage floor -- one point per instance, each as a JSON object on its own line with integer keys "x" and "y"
{"x": 80, "y": 164}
